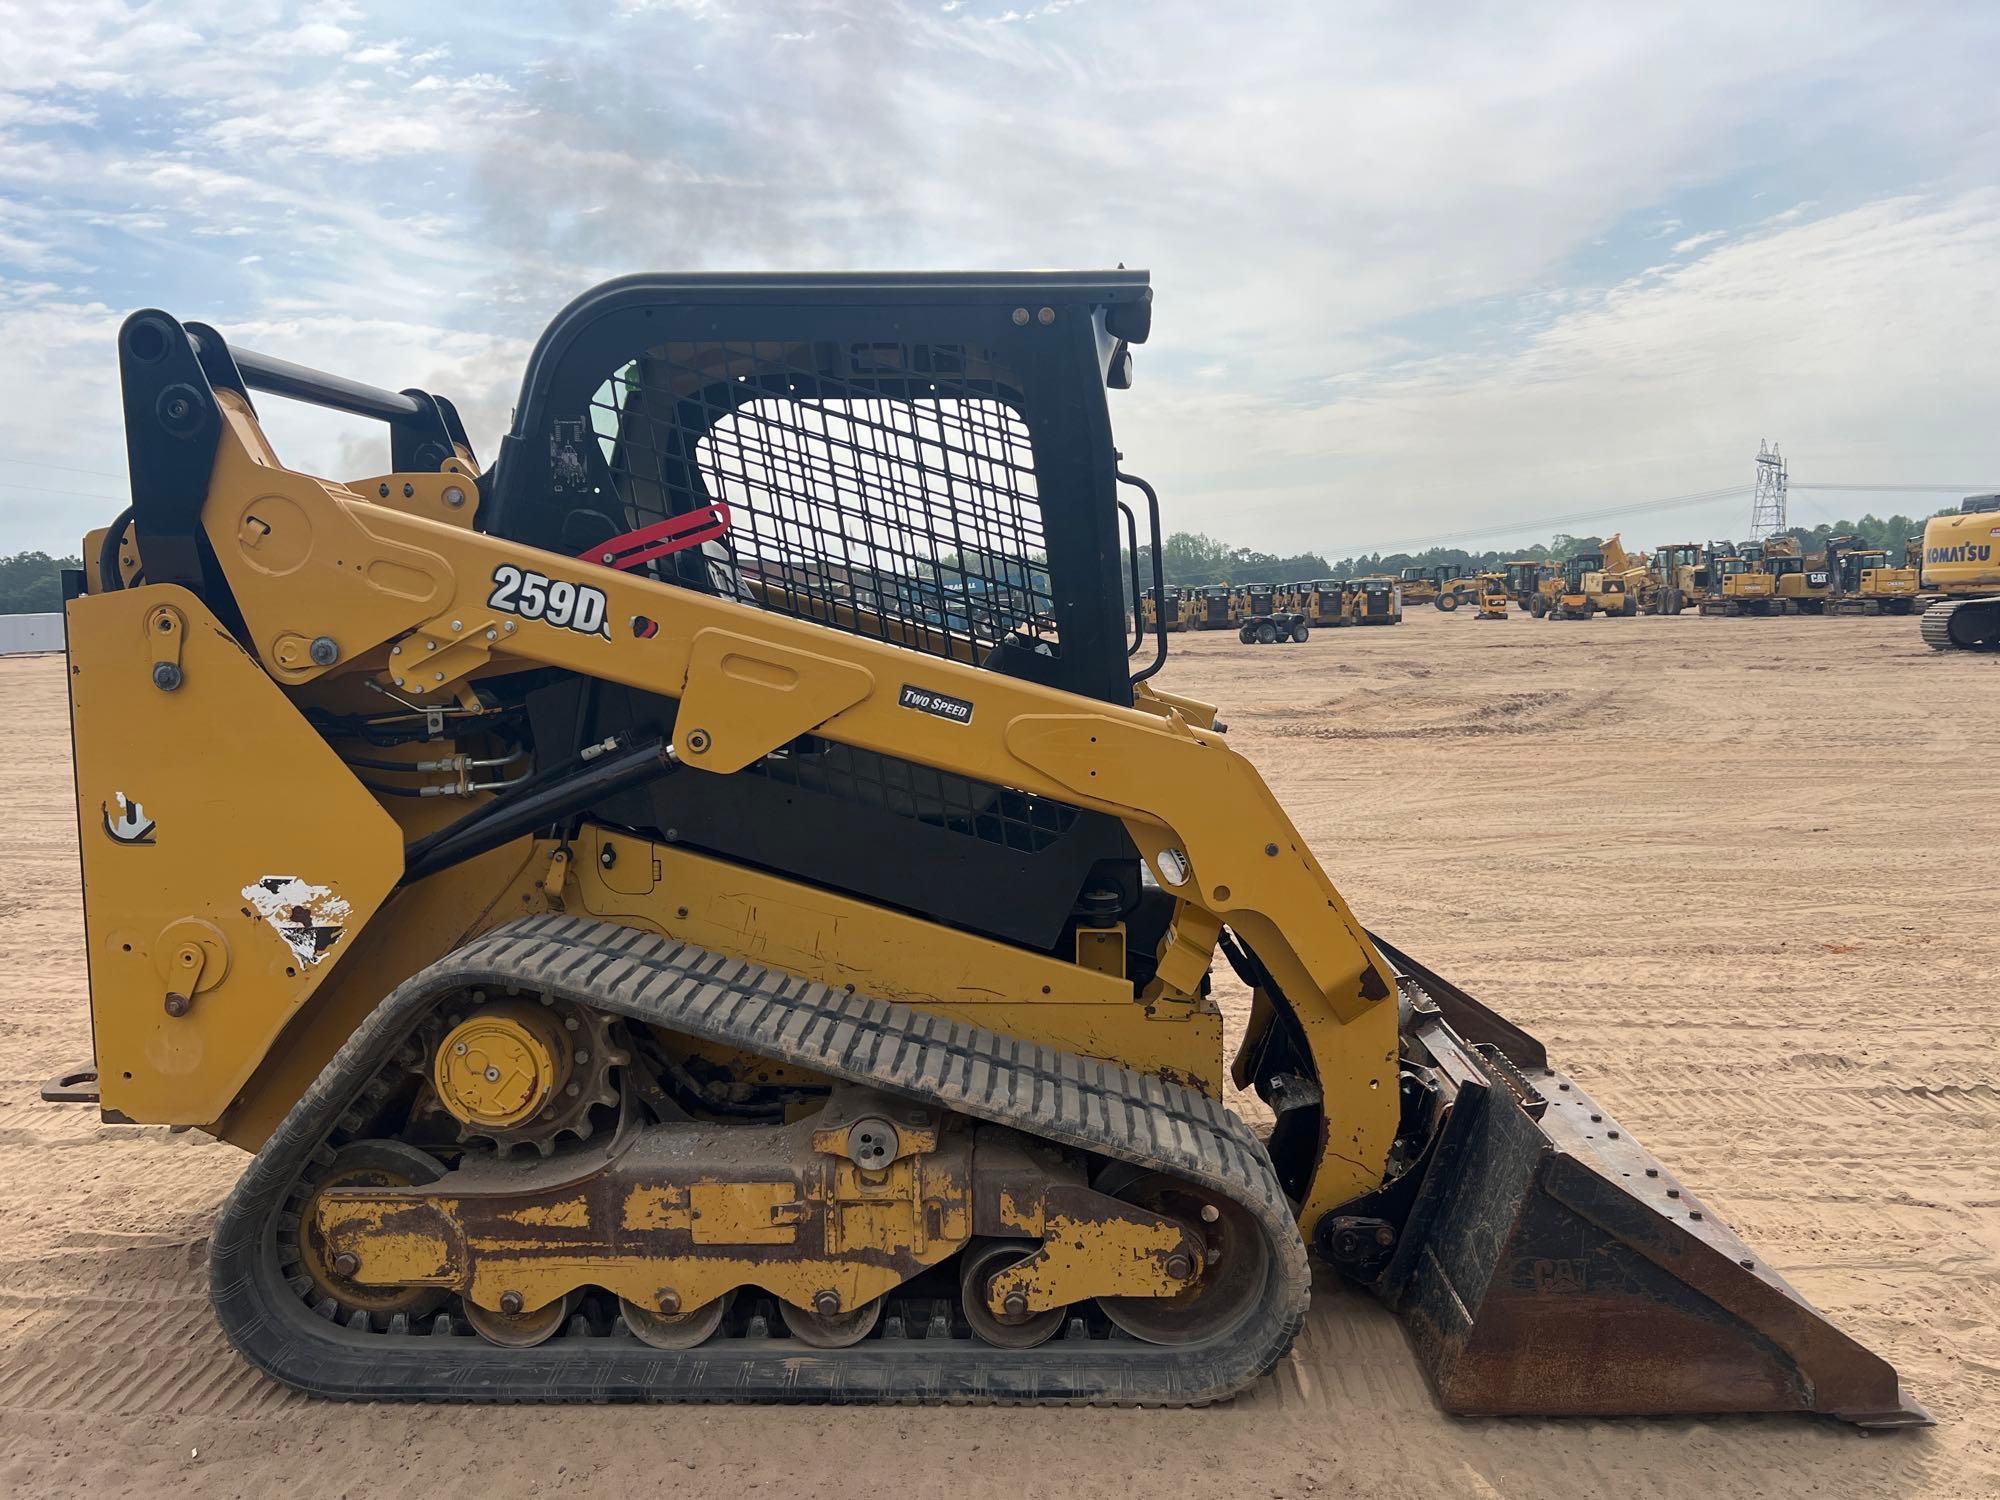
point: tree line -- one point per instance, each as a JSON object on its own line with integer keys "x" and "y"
{"x": 31, "y": 583}
{"x": 1190, "y": 558}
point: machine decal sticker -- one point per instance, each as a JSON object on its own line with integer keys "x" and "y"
{"x": 940, "y": 705}
{"x": 131, "y": 826}
{"x": 310, "y": 918}
{"x": 534, "y": 596}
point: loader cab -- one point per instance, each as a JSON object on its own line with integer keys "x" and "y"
{"x": 1523, "y": 576}
{"x": 804, "y": 422}
{"x": 1575, "y": 569}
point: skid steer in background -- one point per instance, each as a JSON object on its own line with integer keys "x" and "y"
{"x": 1962, "y": 566}
{"x": 1375, "y": 600}
{"x": 1491, "y": 597}
{"x": 650, "y": 957}
{"x": 1322, "y": 601}
{"x": 1164, "y": 609}
{"x": 1209, "y": 609}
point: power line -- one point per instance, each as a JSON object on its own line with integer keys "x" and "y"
{"x": 37, "y": 489}
{"x": 1895, "y": 489}
{"x": 36, "y": 463}
{"x": 1550, "y": 523}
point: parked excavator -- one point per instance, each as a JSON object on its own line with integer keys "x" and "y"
{"x": 1866, "y": 582}
{"x": 652, "y": 952}
{"x": 1962, "y": 565}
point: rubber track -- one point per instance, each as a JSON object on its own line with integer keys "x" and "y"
{"x": 1080, "y": 1102}
{"x": 1936, "y": 625}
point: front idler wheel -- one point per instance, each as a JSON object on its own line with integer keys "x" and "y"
{"x": 332, "y": 1292}
{"x": 1236, "y": 1265}
{"x": 1019, "y": 1330}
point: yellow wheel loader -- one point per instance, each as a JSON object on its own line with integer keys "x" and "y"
{"x": 1962, "y": 565}
{"x": 703, "y": 909}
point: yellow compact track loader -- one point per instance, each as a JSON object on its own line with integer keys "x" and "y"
{"x": 1491, "y": 596}
{"x": 1211, "y": 607}
{"x": 715, "y": 906}
{"x": 1162, "y": 609}
{"x": 1375, "y": 600}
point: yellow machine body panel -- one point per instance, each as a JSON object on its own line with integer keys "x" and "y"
{"x": 1962, "y": 553}
{"x": 229, "y": 857}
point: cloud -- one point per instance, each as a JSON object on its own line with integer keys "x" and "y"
{"x": 1410, "y": 275}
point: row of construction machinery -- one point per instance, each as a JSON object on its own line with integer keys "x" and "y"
{"x": 643, "y": 966}
{"x": 1716, "y": 578}
{"x": 1272, "y": 613}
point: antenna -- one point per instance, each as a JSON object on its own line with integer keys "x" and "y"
{"x": 1767, "y": 507}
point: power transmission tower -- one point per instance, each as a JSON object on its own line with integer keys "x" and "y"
{"x": 1767, "y": 509}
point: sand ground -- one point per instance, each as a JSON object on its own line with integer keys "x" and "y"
{"x": 1737, "y": 874}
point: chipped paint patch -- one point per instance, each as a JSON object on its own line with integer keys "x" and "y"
{"x": 310, "y": 918}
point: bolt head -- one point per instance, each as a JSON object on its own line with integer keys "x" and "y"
{"x": 1179, "y": 1267}
{"x": 458, "y": 1049}
{"x": 670, "y": 1302}
{"x": 1020, "y": 317}
{"x": 826, "y": 1304}
{"x": 325, "y": 651}
{"x": 346, "y": 1263}
{"x": 492, "y": 1075}
{"x": 1046, "y": 316}
{"x": 511, "y": 1303}
{"x": 166, "y": 676}
{"x": 1210, "y": 1213}
{"x": 454, "y": 496}
{"x": 1016, "y": 1305}
{"x": 177, "y": 1005}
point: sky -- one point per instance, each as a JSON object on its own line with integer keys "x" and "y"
{"x": 1422, "y": 272}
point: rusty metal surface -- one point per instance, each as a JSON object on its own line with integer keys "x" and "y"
{"x": 1565, "y": 1271}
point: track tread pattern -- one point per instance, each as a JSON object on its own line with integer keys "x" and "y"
{"x": 1080, "y": 1102}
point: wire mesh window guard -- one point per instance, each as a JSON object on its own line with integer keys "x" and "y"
{"x": 884, "y": 489}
